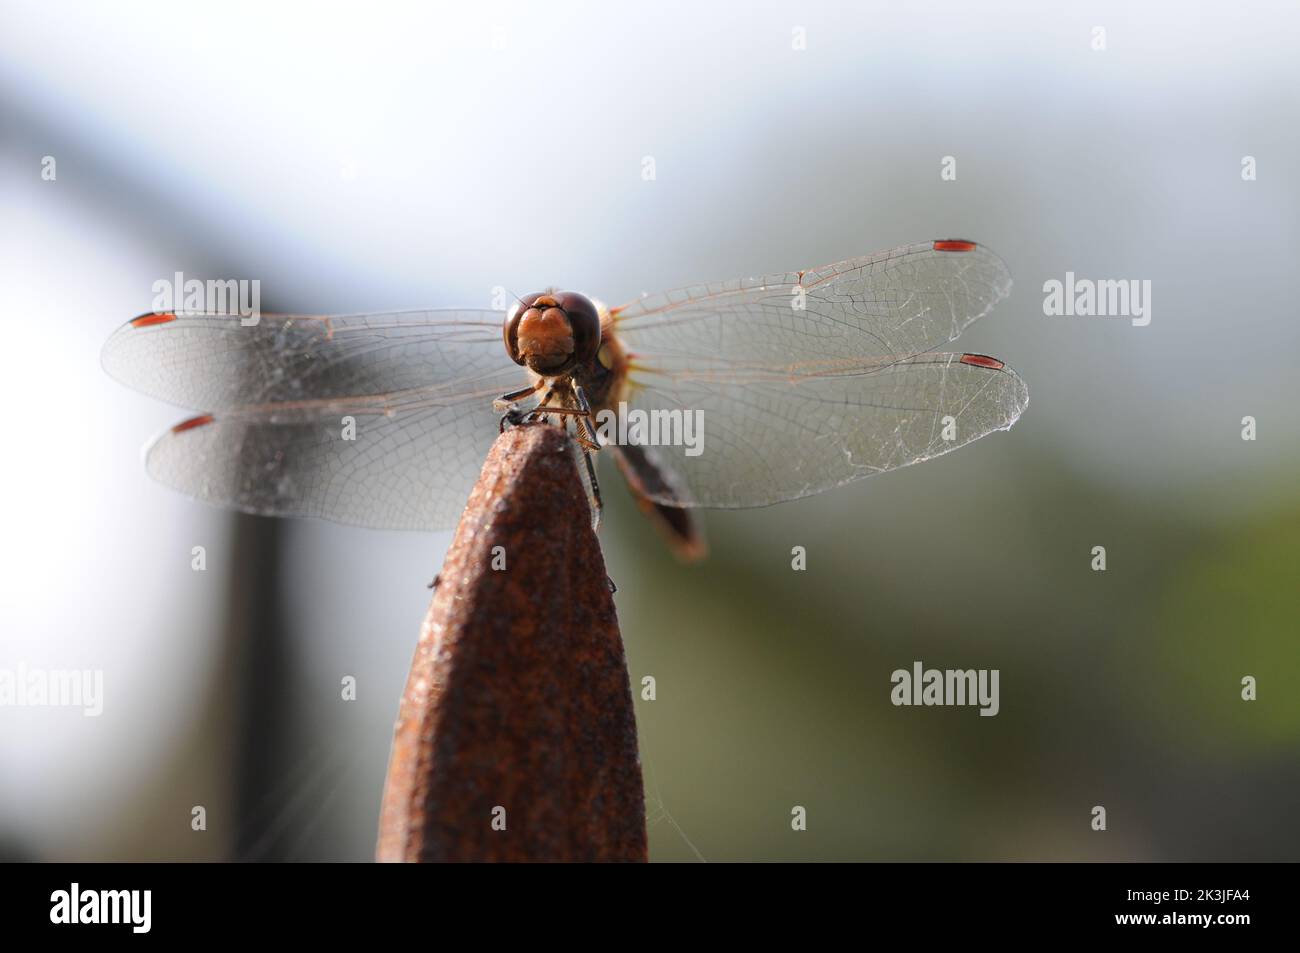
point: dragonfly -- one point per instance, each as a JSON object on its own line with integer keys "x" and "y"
{"x": 802, "y": 381}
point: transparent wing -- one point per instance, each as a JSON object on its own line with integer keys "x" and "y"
{"x": 808, "y": 380}
{"x": 897, "y": 303}
{"x": 214, "y": 362}
{"x": 374, "y": 420}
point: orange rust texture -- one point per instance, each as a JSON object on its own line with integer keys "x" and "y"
{"x": 518, "y": 695}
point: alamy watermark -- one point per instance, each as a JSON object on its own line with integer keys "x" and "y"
{"x": 1103, "y": 298}
{"x": 25, "y": 687}
{"x": 949, "y": 687}
{"x": 213, "y": 296}
{"x": 127, "y": 907}
{"x": 651, "y": 428}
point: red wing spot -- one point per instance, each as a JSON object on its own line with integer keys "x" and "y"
{"x": 154, "y": 317}
{"x": 953, "y": 244}
{"x": 193, "y": 422}
{"x": 981, "y": 360}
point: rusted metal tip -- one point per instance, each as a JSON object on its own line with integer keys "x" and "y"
{"x": 516, "y": 738}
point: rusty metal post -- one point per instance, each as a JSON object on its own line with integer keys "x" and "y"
{"x": 516, "y": 738}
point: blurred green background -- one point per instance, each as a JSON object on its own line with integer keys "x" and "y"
{"x": 377, "y": 157}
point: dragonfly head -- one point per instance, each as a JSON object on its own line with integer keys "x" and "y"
{"x": 552, "y": 332}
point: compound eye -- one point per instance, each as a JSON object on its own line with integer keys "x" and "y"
{"x": 510, "y": 329}
{"x": 584, "y": 320}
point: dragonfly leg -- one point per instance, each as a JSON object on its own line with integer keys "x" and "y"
{"x": 581, "y": 415}
{"x": 588, "y": 435}
{"x": 597, "y": 507}
{"x": 507, "y": 400}
{"x": 535, "y": 414}
{"x": 514, "y": 415}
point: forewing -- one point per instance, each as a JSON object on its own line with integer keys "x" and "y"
{"x": 213, "y": 362}
{"x": 892, "y": 305}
